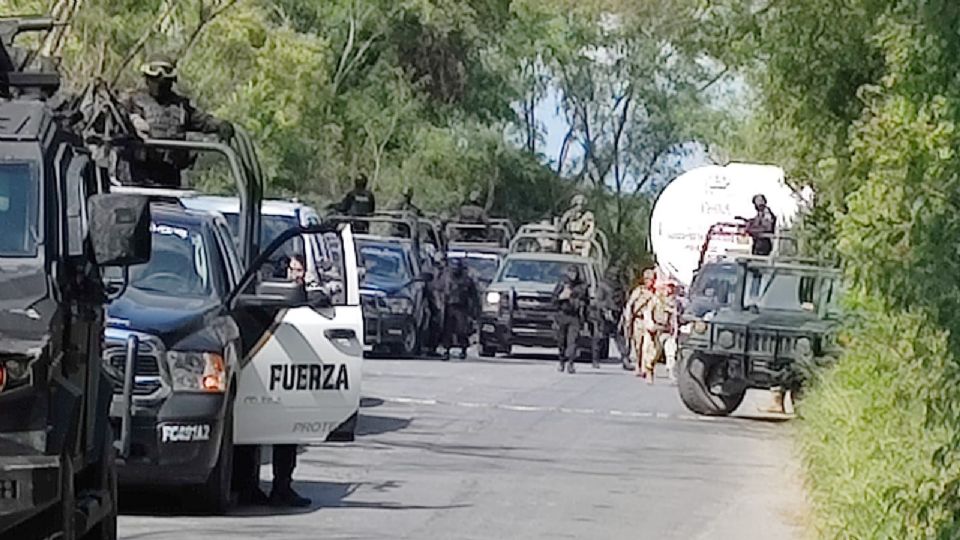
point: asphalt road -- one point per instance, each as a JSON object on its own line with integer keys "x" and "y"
{"x": 509, "y": 448}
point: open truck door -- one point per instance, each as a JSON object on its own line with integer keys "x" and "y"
{"x": 302, "y": 381}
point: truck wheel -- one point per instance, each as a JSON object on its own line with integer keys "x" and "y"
{"x": 216, "y": 496}
{"x": 604, "y": 353}
{"x": 486, "y": 351}
{"x": 693, "y": 382}
{"x": 411, "y": 341}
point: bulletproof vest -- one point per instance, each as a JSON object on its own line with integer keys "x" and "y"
{"x": 166, "y": 121}
{"x": 459, "y": 289}
{"x": 362, "y": 203}
{"x": 577, "y": 224}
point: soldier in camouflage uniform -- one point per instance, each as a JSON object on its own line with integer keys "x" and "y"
{"x": 578, "y": 221}
{"x": 462, "y": 306}
{"x": 158, "y": 112}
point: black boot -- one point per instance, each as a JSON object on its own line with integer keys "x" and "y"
{"x": 570, "y": 368}
{"x": 560, "y": 366}
{"x": 286, "y": 496}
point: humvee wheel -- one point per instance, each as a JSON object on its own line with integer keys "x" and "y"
{"x": 693, "y": 381}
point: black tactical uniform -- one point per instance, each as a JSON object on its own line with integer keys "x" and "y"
{"x": 358, "y": 202}
{"x": 462, "y": 305}
{"x": 762, "y": 227}
{"x": 570, "y": 296}
{"x": 164, "y": 114}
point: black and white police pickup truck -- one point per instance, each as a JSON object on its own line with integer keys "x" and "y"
{"x": 215, "y": 368}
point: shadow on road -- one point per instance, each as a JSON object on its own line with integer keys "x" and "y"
{"x": 173, "y": 503}
{"x": 369, "y": 424}
{"x": 367, "y": 402}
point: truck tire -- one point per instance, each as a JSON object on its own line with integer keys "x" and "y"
{"x": 410, "y": 345}
{"x": 694, "y": 390}
{"x": 487, "y": 351}
{"x": 216, "y": 495}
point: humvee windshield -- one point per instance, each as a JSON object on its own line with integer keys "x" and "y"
{"x": 19, "y": 209}
{"x": 790, "y": 290}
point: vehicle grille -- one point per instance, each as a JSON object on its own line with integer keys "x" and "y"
{"x": 771, "y": 344}
{"x": 147, "y": 378}
{"x": 534, "y": 303}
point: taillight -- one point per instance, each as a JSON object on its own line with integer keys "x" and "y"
{"x": 3, "y": 378}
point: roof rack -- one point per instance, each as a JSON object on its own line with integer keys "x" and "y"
{"x": 13, "y": 61}
{"x": 553, "y": 241}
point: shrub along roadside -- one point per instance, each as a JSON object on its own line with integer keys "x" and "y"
{"x": 877, "y": 445}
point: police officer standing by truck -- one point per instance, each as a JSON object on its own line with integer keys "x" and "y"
{"x": 570, "y": 297}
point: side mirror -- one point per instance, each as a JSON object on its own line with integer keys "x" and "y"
{"x": 120, "y": 229}
{"x": 276, "y": 294}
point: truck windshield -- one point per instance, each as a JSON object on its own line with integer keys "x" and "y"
{"x": 480, "y": 268}
{"x": 783, "y": 290}
{"x": 179, "y": 264}
{"x": 383, "y": 264}
{"x": 537, "y": 271}
{"x": 19, "y": 209}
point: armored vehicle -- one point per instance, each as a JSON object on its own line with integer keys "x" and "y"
{"x": 778, "y": 326}
{"x": 59, "y": 229}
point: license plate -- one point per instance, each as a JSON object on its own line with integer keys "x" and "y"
{"x": 488, "y": 328}
{"x": 395, "y": 332}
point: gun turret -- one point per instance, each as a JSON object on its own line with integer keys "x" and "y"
{"x": 15, "y": 76}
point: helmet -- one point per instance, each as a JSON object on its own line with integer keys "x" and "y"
{"x": 759, "y": 199}
{"x": 578, "y": 200}
{"x": 408, "y": 191}
{"x": 160, "y": 67}
{"x": 475, "y": 195}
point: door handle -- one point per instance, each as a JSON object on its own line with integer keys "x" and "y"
{"x": 339, "y": 333}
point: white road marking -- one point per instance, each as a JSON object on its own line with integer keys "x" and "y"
{"x": 535, "y": 408}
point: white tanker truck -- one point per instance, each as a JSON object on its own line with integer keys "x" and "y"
{"x": 695, "y": 217}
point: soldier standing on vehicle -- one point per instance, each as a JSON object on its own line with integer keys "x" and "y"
{"x": 158, "y": 112}
{"x": 406, "y": 203}
{"x": 359, "y": 201}
{"x": 462, "y": 307}
{"x": 761, "y": 227}
{"x": 580, "y": 222}
{"x": 570, "y": 297}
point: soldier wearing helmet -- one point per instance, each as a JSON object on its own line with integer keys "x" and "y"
{"x": 762, "y": 226}
{"x": 579, "y": 222}
{"x": 473, "y": 211}
{"x": 158, "y": 112}
{"x": 462, "y": 306}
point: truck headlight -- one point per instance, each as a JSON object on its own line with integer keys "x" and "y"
{"x": 197, "y": 371}
{"x": 725, "y": 339}
{"x": 699, "y": 327}
{"x": 400, "y": 306}
{"x": 493, "y": 298}
{"x": 804, "y": 347}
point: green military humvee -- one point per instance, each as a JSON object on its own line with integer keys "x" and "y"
{"x": 780, "y": 325}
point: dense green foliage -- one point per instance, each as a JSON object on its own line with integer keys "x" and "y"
{"x": 440, "y": 95}
{"x": 862, "y": 99}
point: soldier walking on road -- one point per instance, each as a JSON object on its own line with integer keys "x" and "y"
{"x": 570, "y": 297}
{"x": 158, "y": 112}
{"x": 462, "y": 307}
